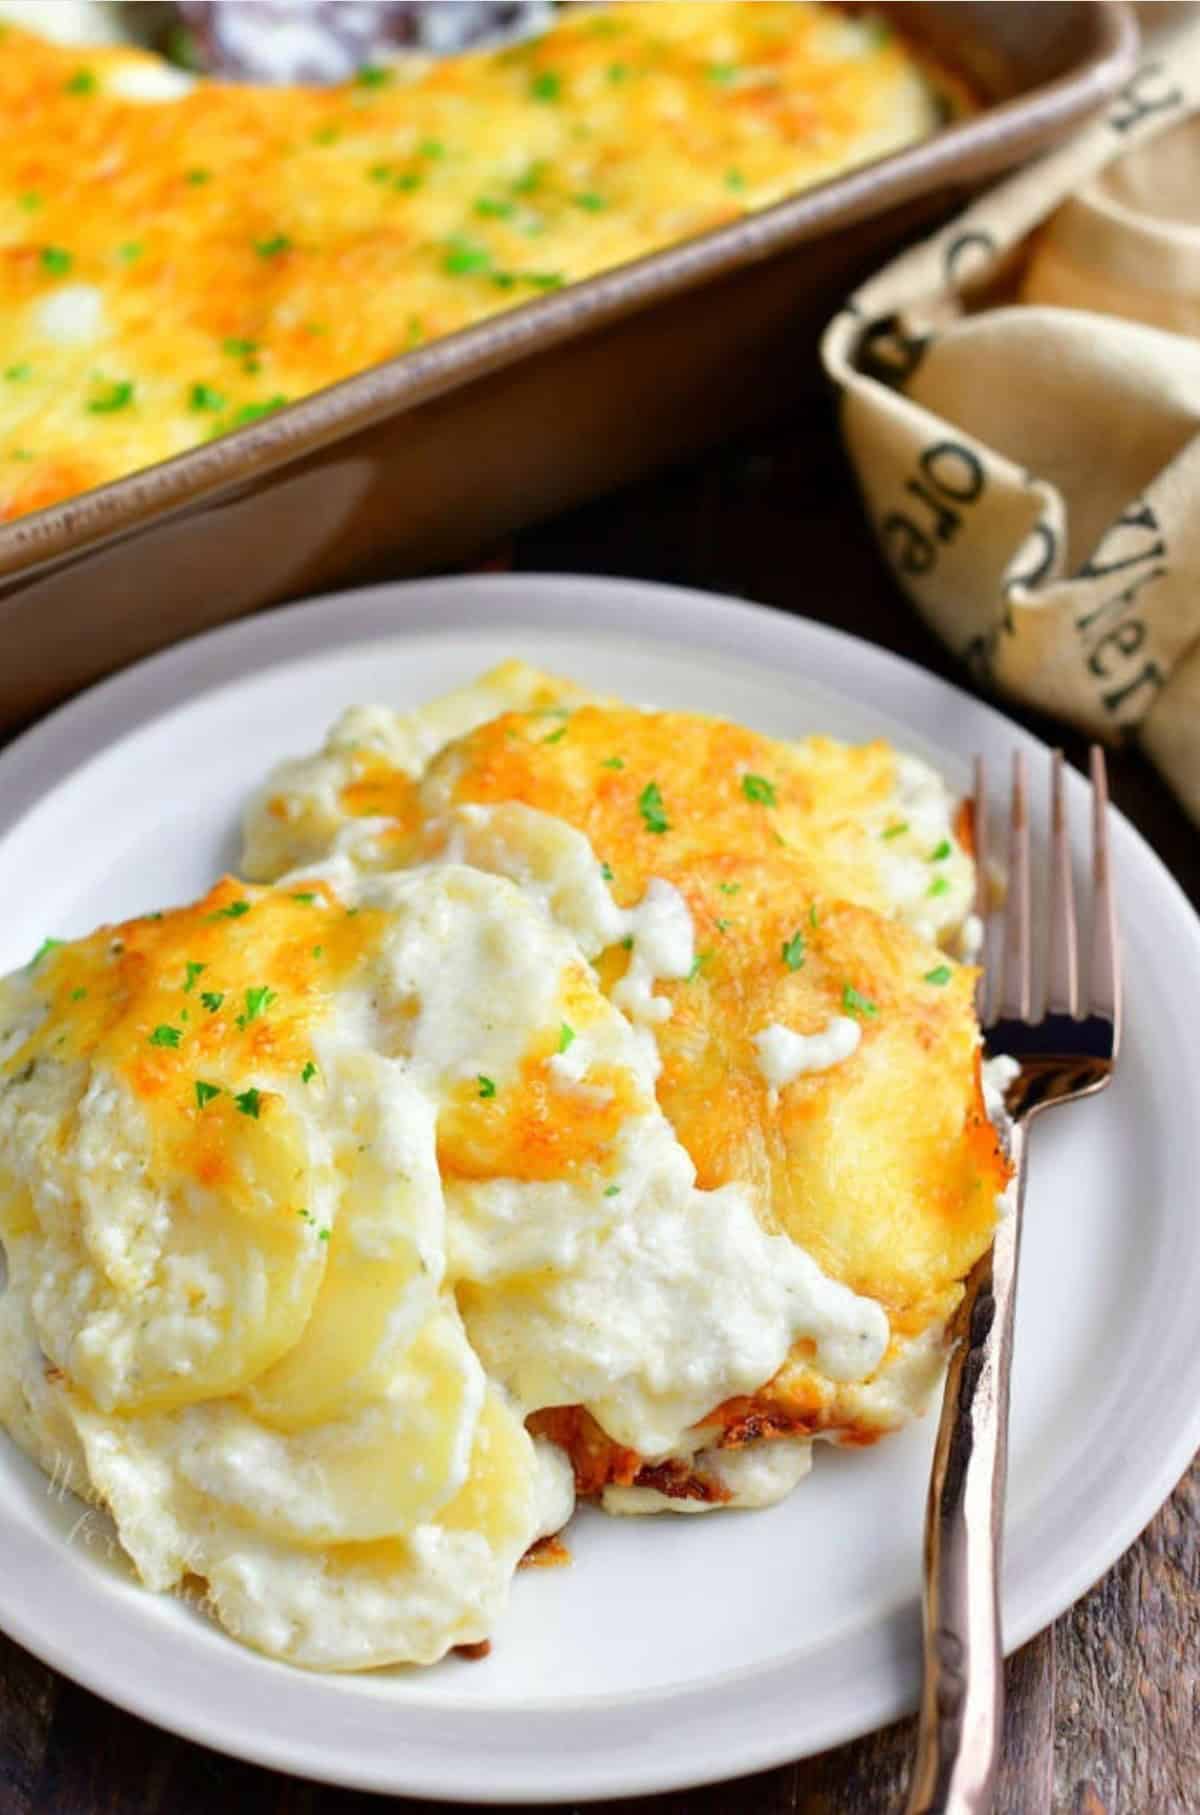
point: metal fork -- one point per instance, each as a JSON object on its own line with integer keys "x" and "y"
{"x": 1062, "y": 1054}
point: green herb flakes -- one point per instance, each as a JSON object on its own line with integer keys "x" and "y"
{"x": 734, "y": 179}
{"x": 650, "y": 806}
{"x": 212, "y": 999}
{"x": 606, "y": 871}
{"x": 83, "y": 82}
{"x": 249, "y": 1103}
{"x": 896, "y": 831}
{"x": 792, "y": 951}
{"x": 565, "y": 1036}
{"x": 589, "y": 201}
{"x": 546, "y": 86}
{"x": 490, "y": 209}
{"x": 939, "y": 887}
{"x": 465, "y": 259}
{"x": 203, "y": 397}
{"x": 258, "y": 1001}
{"x": 373, "y": 75}
{"x": 197, "y": 177}
{"x": 165, "y": 1036}
{"x": 16, "y": 373}
{"x": 612, "y": 1190}
{"x": 193, "y": 969}
{"x": 942, "y": 852}
{"x": 729, "y": 888}
{"x": 47, "y": 946}
{"x": 77, "y": 995}
{"x": 130, "y": 251}
{"x": 613, "y": 762}
{"x": 274, "y": 246}
{"x": 305, "y": 896}
{"x": 759, "y": 789}
{"x": 940, "y": 974}
{"x": 118, "y": 396}
{"x": 556, "y": 737}
{"x": 205, "y": 1092}
{"x": 232, "y": 911}
{"x": 487, "y": 1087}
{"x": 56, "y": 261}
{"x": 309, "y": 1073}
{"x": 854, "y": 1004}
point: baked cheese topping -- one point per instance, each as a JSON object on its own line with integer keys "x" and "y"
{"x": 179, "y": 258}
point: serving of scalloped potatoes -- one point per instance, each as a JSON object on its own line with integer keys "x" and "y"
{"x": 576, "y": 1100}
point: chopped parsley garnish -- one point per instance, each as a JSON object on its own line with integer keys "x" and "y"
{"x": 650, "y": 806}
{"x": 306, "y": 896}
{"x": 17, "y": 372}
{"x": 487, "y": 1087}
{"x": 118, "y": 396}
{"x": 47, "y": 945}
{"x": 627, "y": 942}
{"x": 758, "y": 788}
{"x": 431, "y": 148}
{"x": 258, "y": 1001}
{"x": 895, "y": 831}
{"x": 854, "y": 1004}
{"x": 408, "y": 179}
{"x": 940, "y": 887}
{"x": 492, "y": 210}
{"x": 463, "y": 259}
{"x": 792, "y": 951}
{"x": 611, "y": 1190}
{"x": 233, "y": 911}
{"x": 249, "y": 1102}
{"x": 531, "y": 179}
{"x": 165, "y": 1036}
{"x": 203, "y": 397}
{"x": 543, "y": 280}
{"x": 723, "y": 926}
{"x": 698, "y": 963}
{"x": 734, "y": 179}
{"x": 318, "y": 951}
{"x": 565, "y": 1036}
{"x": 546, "y": 86}
{"x": 943, "y": 851}
{"x": 130, "y": 252}
{"x": 241, "y": 349}
{"x": 196, "y": 177}
{"x": 309, "y": 1073}
{"x": 57, "y": 261}
{"x": 373, "y": 75}
{"x": 253, "y": 412}
{"x": 613, "y": 762}
{"x": 556, "y": 737}
{"x": 205, "y": 1092}
{"x": 322, "y": 1235}
{"x": 941, "y": 973}
{"x": 589, "y": 201}
{"x": 193, "y": 968}
{"x": 606, "y": 871}
{"x": 814, "y": 919}
{"x": 83, "y": 82}
{"x": 617, "y": 72}
{"x": 212, "y": 999}
{"x": 326, "y": 135}
{"x": 272, "y": 247}
{"x": 77, "y": 995}
{"x": 729, "y": 888}
{"x": 31, "y": 201}
{"x": 721, "y": 73}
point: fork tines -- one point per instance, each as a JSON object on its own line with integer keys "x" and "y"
{"x": 1006, "y": 993}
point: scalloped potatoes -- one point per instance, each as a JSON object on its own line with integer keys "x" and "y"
{"x": 579, "y": 1105}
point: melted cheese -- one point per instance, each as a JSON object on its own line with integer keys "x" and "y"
{"x": 225, "y": 226}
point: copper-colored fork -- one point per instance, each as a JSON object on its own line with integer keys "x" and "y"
{"x": 1063, "y": 1052}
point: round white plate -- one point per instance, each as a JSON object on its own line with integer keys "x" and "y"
{"x": 672, "y": 1651}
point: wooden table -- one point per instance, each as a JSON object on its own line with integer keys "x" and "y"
{"x": 1104, "y": 1709}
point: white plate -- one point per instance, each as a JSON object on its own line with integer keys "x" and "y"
{"x": 674, "y": 1651}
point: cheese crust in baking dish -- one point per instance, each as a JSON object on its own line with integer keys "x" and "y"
{"x": 180, "y": 257}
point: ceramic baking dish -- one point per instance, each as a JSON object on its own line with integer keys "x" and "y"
{"x": 422, "y": 461}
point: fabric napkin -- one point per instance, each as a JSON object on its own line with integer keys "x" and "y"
{"x": 1020, "y": 398}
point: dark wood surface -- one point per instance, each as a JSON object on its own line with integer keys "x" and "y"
{"x": 1104, "y": 1709}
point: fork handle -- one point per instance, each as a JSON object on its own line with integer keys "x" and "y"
{"x": 962, "y": 1691}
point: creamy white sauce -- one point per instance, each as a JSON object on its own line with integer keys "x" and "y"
{"x": 70, "y": 315}
{"x": 784, "y": 1055}
{"x": 932, "y": 895}
{"x": 148, "y": 81}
